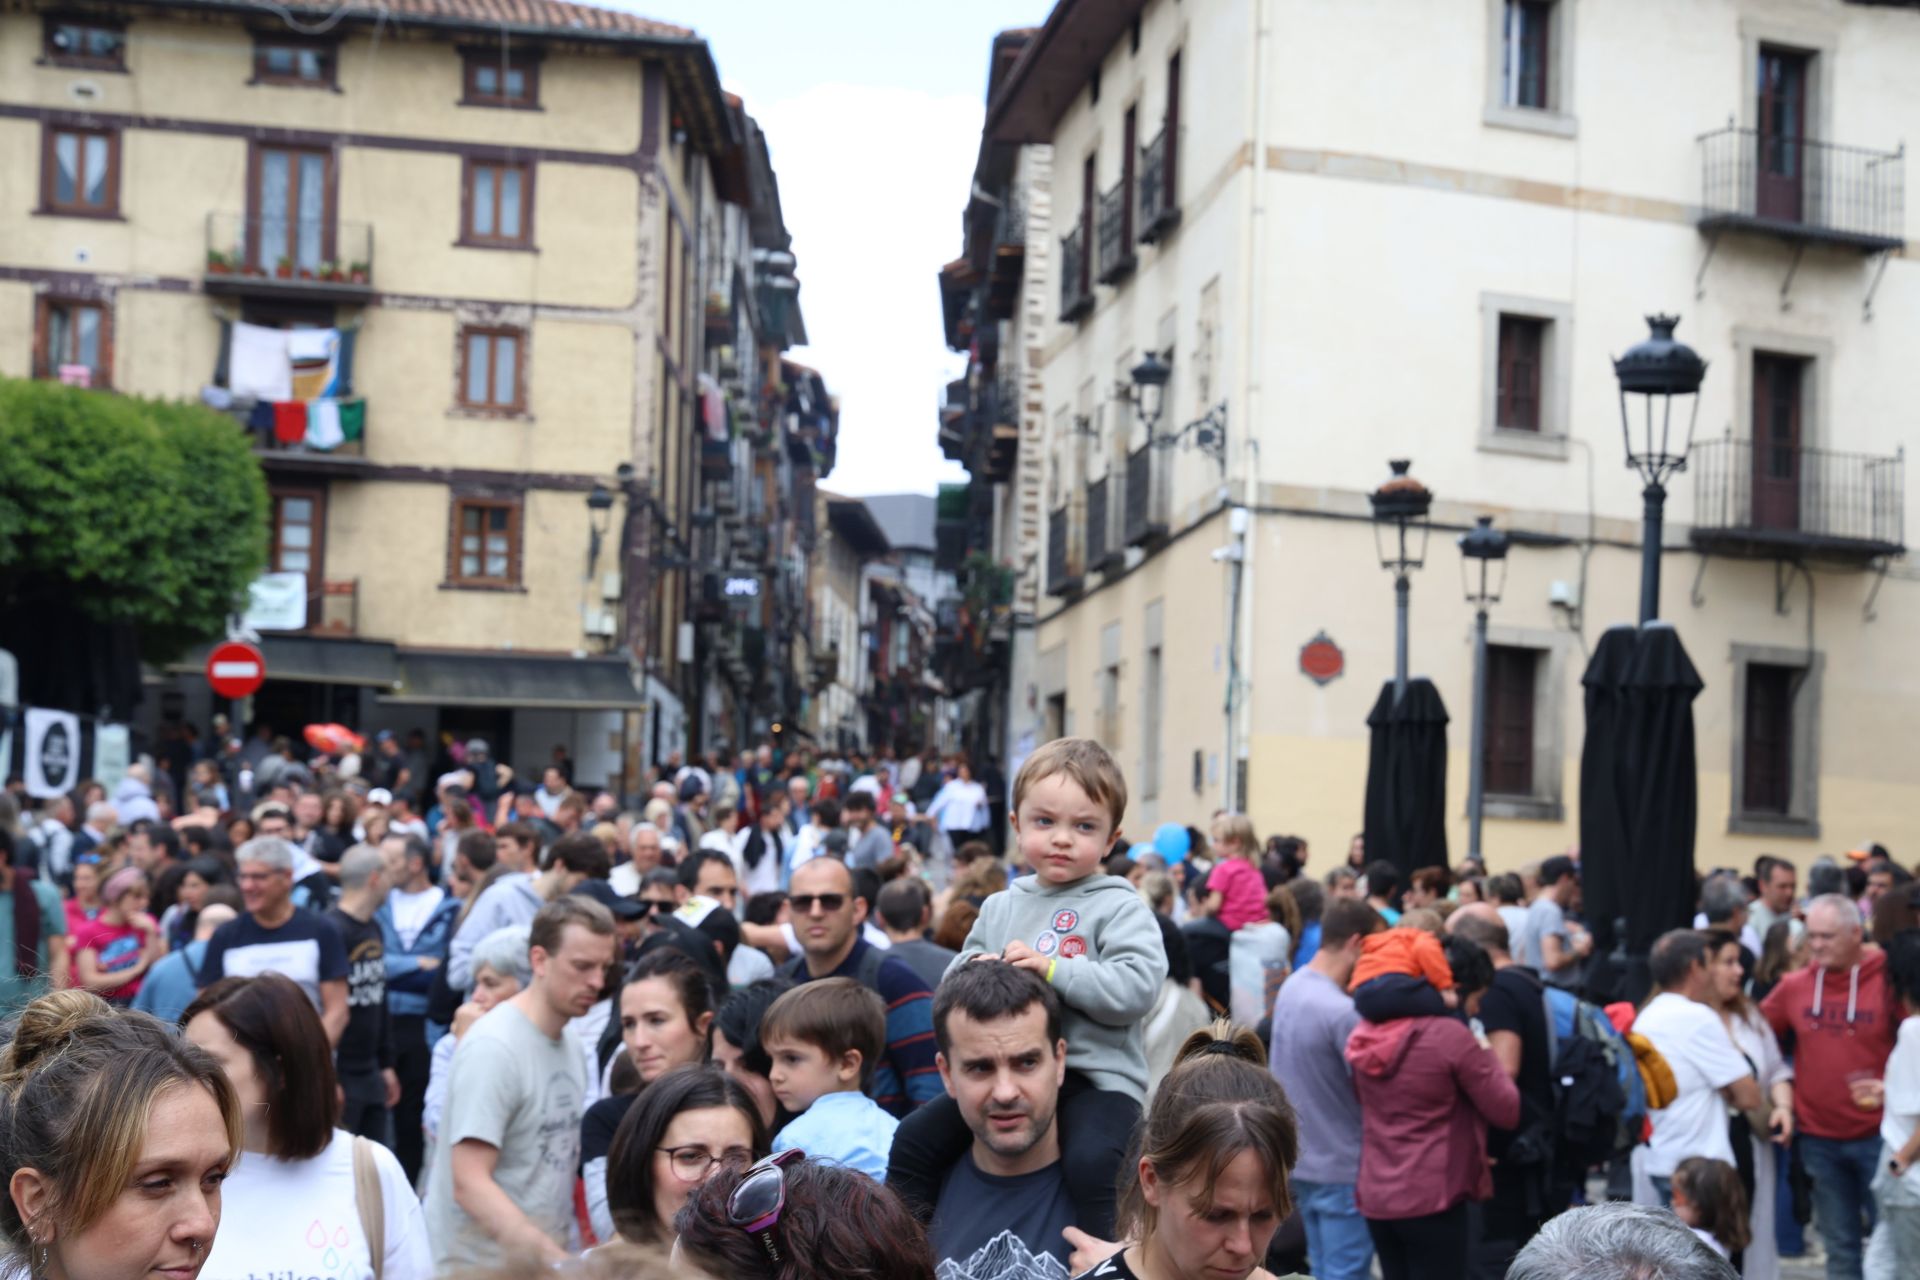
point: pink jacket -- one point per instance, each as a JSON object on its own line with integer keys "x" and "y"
{"x": 1427, "y": 1093}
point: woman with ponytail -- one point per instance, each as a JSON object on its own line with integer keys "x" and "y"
{"x": 1212, "y": 1183}
{"x": 116, "y": 1135}
{"x": 35, "y": 919}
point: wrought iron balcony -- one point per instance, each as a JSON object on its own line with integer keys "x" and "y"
{"x": 1158, "y": 212}
{"x": 1001, "y": 426}
{"x": 1076, "y": 293}
{"x": 1146, "y": 519}
{"x": 1103, "y": 552}
{"x": 1009, "y": 256}
{"x": 1771, "y": 500}
{"x": 1802, "y": 190}
{"x": 1063, "y": 565}
{"x": 321, "y": 259}
{"x": 953, "y": 419}
{"x": 1116, "y": 239}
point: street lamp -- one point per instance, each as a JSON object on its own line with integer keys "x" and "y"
{"x": 1654, "y": 374}
{"x": 1401, "y": 503}
{"x": 1485, "y": 547}
{"x": 1149, "y": 392}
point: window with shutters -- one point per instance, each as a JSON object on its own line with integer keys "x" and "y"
{"x": 1523, "y": 339}
{"x": 1511, "y": 686}
{"x": 1776, "y": 715}
{"x": 486, "y": 543}
{"x": 80, "y": 172}
{"x": 493, "y": 370}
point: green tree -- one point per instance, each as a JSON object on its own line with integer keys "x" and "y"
{"x": 138, "y": 511}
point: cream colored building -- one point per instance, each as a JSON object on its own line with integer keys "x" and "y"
{"x": 1376, "y": 230}
{"x": 516, "y": 218}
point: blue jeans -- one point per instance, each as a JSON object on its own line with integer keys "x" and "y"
{"x": 1339, "y": 1247}
{"x": 1842, "y": 1175}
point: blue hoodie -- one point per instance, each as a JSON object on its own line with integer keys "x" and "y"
{"x": 408, "y": 983}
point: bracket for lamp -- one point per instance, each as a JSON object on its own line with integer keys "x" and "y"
{"x": 1207, "y": 433}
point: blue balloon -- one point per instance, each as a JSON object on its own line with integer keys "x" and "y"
{"x": 1170, "y": 839}
{"x": 1136, "y": 852}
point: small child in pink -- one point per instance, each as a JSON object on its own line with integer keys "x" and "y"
{"x": 1236, "y": 890}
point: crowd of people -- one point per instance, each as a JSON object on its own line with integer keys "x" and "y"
{"x": 382, "y": 1015}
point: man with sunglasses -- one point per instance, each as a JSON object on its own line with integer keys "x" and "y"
{"x": 827, "y": 918}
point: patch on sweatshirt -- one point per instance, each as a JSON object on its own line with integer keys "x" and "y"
{"x": 1064, "y": 921}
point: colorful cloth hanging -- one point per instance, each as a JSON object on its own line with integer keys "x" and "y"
{"x": 289, "y": 422}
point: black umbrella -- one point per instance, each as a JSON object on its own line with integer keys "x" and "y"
{"x": 1603, "y": 803}
{"x": 1406, "y": 810}
{"x": 1645, "y": 795}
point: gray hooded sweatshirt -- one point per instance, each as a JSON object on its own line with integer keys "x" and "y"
{"x": 1110, "y": 963}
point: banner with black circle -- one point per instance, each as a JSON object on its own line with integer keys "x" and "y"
{"x": 52, "y": 764}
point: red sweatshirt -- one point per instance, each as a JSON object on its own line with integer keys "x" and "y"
{"x": 1846, "y": 1025}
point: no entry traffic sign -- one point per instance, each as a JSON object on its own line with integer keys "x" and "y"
{"x": 235, "y": 669}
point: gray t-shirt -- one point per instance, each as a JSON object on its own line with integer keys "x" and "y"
{"x": 1312, "y": 1018}
{"x": 870, "y": 849}
{"x": 928, "y": 959}
{"x": 1545, "y": 919}
{"x": 522, "y": 1093}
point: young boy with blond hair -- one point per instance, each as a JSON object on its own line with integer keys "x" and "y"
{"x": 1090, "y": 937}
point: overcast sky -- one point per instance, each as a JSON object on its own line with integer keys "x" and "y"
{"x": 872, "y": 110}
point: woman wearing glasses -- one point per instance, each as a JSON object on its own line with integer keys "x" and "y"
{"x": 666, "y": 1022}
{"x": 790, "y": 1218}
{"x": 685, "y": 1126}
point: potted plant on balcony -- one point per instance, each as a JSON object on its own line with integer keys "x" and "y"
{"x": 358, "y": 273}
{"x": 218, "y": 263}
{"x": 331, "y": 272}
{"x": 284, "y": 268}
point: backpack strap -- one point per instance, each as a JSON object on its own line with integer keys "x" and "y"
{"x": 370, "y": 1204}
{"x": 870, "y": 963}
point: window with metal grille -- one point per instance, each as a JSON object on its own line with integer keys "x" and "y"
{"x": 1767, "y": 727}
{"x": 1508, "y": 759}
{"x": 1523, "y": 343}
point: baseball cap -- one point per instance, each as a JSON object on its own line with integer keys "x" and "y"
{"x": 623, "y": 908}
{"x": 379, "y": 795}
{"x": 476, "y": 746}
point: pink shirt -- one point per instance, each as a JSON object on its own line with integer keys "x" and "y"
{"x": 1242, "y": 890}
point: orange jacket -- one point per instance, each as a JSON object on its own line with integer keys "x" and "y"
{"x": 1412, "y": 952}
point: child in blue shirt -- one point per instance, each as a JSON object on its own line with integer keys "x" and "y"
{"x": 823, "y": 1041}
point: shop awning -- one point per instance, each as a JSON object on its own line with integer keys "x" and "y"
{"x": 514, "y": 680}
{"x": 315, "y": 660}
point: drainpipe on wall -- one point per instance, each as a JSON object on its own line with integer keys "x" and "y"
{"x": 1241, "y": 520}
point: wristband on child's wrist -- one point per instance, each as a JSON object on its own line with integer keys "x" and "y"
{"x": 1051, "y": 966}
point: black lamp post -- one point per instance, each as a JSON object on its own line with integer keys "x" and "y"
{"x": 1485, "y": 547}
{"x": 1150, "y": 379}
{"x": 1652, "y": 376}
{"x": 1401, "y": 504}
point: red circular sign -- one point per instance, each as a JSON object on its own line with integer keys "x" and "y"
{"x": 235, "y": 669}
{"x": 1321, "y": 660}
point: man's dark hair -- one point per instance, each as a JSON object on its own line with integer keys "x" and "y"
{"x": 1556, "y": 869}
{"x": 1472, "y": 966}
{"x": 764, "y": 908}
{"x": 1674, "y": 956}
{"x": 1489, "y": 934}
{"x": 866, "y": 886}
{"x": 859, "y": 800}
{"x": 1347, "y": 918}
{"x": 902, "y": 903}
{"x": 1434, "y": 880}
{"x": 1506, "y": 888}
{"x": 1824, "y": 878}
{"x": 1310, "y": 897}
{"x": 522, "y": 831}
{"x": 477, "y": 847}
{"x": 988, "y": 991}
{"x": 1763, "y": 866}
{"x": 826, "y": 813}
{"x": 581, "y": 853}
{"x": 662, "y": 877}
{"x": 1903, "y": 965}
{"x": 689, "y": 868}
{"x": 1383, "y": 878}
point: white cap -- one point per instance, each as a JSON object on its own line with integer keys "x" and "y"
{"x": 379, "y": 795}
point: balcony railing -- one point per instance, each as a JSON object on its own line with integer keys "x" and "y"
{"x": 282, "y": 436}
{"x": 1076, "y": 297}
{"x": 1803, "y": 190}
{"x": 1146, "y": 520}
{"x": 1768, "y": 499}
{"x": 319, "y": 258}
{"x": 1116, "y": 245}
{"x": 1009, "y": 256}
{"x": 1063, "y": 566}
{"x": 1158, "y": 212}
{"x": 1102, "y": 552}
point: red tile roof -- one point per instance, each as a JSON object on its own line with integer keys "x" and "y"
{"x": 551, "y": 15}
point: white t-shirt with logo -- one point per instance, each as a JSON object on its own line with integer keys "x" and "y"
{"x": 300, "y": 1218}
{"x": 1695, "y": 1043}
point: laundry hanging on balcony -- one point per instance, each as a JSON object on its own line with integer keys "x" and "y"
{"x": 716, "y": 417}
{"x": 258, "y": 364}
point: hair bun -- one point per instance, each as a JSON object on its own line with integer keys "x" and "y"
{"x": 48, "y": 1025}
{"x": 1222, "y": 1039}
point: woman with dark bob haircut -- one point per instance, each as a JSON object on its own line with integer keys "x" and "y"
{"x": 687, "y": 1124}
{"x": 836, "y": 1223}
{"x": 301, "y": 1171}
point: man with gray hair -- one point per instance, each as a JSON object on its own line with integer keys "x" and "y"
{"x": 1618, "y": 1241}
{"x": 1724, "y": 906}
{"x": 1839, "y": 1018}
{"x": 368, "y": 1082}
{"x": 101, "y": 819}
{"x": 274, "y": 936}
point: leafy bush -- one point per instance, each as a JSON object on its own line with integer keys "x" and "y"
{"x": 138, "y": 511}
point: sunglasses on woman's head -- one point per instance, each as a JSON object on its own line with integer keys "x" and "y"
{"x": 756, "y": 1203}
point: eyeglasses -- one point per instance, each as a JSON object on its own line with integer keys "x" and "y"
{"x": 828, "y": 902}
{"x": 690, "y": 1164}
{"x": 755, "y": 1205}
